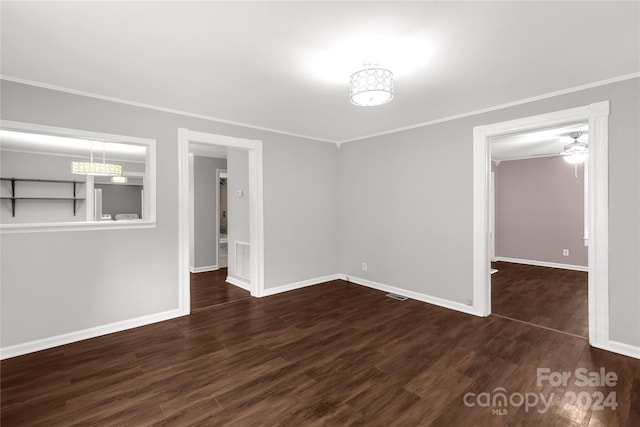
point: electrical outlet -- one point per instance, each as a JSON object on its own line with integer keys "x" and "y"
{"x": 364, "y": 266}
{"x": 565, "y": 252}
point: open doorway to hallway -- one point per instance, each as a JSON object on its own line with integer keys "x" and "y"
{"x": 539, "y": 228}
{"x": 245, "y": 227}
{"x": 217, "y": 218}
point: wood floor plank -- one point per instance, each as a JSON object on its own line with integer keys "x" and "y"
{"x": 331, "y": 355}
{"x": 209, "y": 289}
{"x": 545, "y": 296}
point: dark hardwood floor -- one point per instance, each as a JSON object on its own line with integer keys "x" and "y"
{"x": 209, "y": 289}
{"x": 336, "y": 354}
{"x": 549, "y": 297}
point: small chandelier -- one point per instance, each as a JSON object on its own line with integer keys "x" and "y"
{"x": 576, "y": 152}
{"x": 96, "y": 168}
{"x": 371, "y": 86}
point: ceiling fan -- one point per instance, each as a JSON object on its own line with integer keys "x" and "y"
{"x": 574, "y": 153}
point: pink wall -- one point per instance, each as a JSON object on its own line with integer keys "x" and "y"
{"x": 540, "y": 211}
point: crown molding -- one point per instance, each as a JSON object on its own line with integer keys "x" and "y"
{"x": 337, "y": 143}
{"x": 501, "y": 106}
{"x": 155, "y": 107}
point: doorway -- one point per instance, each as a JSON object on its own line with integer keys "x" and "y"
{"x": 539, "y": 258}
{"x": 597, "y": 116}
{"x": 255, "y": 252}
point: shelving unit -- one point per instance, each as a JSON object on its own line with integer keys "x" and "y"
{"x": 13, "y": 197}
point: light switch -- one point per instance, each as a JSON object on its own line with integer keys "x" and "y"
{"x": 239, "y": 193}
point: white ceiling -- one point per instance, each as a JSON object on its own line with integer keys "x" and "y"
{"x": 541, "y": 143}
{"x": 286, "y": 65}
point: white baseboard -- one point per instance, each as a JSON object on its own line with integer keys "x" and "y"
{"x": 622, "y": 348}
{"x": 203, "y": 269}
{"x": 543, "y": 263}
{"x": 55, "y": 341}
{"x": 414, "y": 295}
{"x": 301, "y": 284}
{"x": 239, "y": 283}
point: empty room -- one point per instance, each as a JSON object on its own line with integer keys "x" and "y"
{"x": 327, "y": 213}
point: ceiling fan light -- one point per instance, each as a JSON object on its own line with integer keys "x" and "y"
{"x": 575, "y": 158}
{"x": 576, "y": 152}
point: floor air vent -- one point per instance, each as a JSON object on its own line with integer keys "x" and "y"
{"x": 398, "y": 297}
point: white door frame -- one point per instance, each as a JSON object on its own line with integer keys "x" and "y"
{"x": 597, "y": 210}
{"x": 219, "y": 173}
{"x": 256, "y": 209}
{"x": 192, "y": 221}
{"x": 492, "y": 216}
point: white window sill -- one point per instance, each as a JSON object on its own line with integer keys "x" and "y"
{"x": 45, "y": 227}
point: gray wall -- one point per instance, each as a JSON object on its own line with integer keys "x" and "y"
{"x": 540, "y": 211}
{"x": 40, "y": 166}
{"x": 405, "y": 204}
{"x": 133, "y": 273}
{"x": 205, "y": 210}
{"x": 121, "y": 199}
{"x": 238, "y": 207}
{"x": 303, "y": 185}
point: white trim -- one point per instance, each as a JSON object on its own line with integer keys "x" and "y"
{"x": 153, "y": 107}
{"x": 536, "y": 156}
{"x": 621, "y": 348}
{"x": 256, "y": 210}
{"x": 235, "y": 259}
{"x": 453, "y": 305}
{"x": 492, "y": 216}
{"x": 218, "y": 219}
{"x": 338, "y": 143}
{"x": 227, "y": 141}
{"x": 302, "y": 284}
{"x": 203, "y": 269}
{"x": 501, "y": 106}
{"x": 50, "y": 342}
{"x": 597, "y": 116}
{"x": 481, "y": 264}
{"x": 543, "y": 263}
{"x": 256, "y": 219}
{"x": 184, "y": 221}
{"x": 90, "y": 198}
{"x": 149, "y": 184}
{"x": 75, "y": 133}
{"x": 239, "y": 283}
{"x": 149, "y": 178}
{"x": 46, "y": 227}
{"x": 598, "y": 216}
{"x": 192, "y": 210}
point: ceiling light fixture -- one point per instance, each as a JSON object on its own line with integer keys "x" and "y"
{"x": 371, "y": 86}
{"x": 96, "y": 168}
{"x": 576, "y": 152}
{"x": 119, "y": 179}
